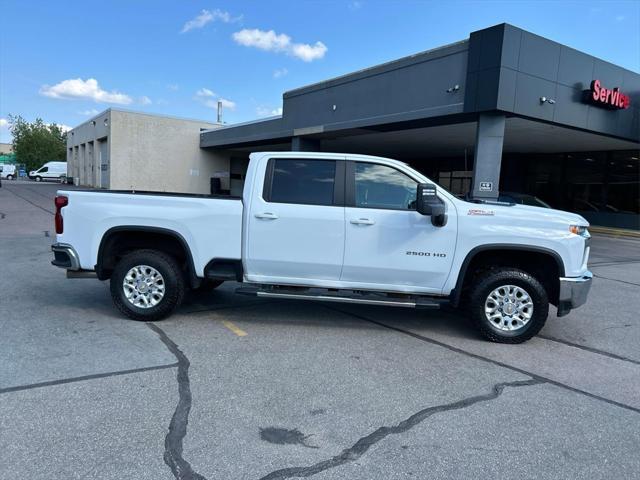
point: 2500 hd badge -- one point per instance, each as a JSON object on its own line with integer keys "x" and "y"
{"x": 427, "y": 254}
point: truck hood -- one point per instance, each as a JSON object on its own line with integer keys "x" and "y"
{"x": 550, "y": 215}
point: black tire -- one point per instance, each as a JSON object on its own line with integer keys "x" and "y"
{"x": 493, "y": 279}
{"x": 9, "y": 177}
{"x": 208, "y": 286}
{"x": 173, "y": 278}
{"x": 38, "y": 178}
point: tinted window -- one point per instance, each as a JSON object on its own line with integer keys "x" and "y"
{"x": 379, "y": 186}
{"x": 43, "y": 170}
{"x": 303, "y": 181}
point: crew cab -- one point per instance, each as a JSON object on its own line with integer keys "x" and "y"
{"x": 331, "y": 227}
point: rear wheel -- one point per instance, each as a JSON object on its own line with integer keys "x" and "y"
{"x": 147, "y": 285}
{"x": 9, "y": 177}
{"x": 508, "y": 305}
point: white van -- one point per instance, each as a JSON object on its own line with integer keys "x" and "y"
{"x": 49, "y": 171}
{"x": 8, "y": 171}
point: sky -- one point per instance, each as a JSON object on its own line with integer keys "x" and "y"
{"x": 66, "y": 61}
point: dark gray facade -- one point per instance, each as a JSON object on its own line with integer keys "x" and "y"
{"x": 503, "y": 91}
{"x": 509, "y": 70}
{"x": 502, "y": 68}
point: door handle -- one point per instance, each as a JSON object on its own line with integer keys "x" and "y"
{"x": 362, "y": 221}
{"x": 267, "y": 216}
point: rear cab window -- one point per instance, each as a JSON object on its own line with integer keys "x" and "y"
{"x": 304, "y": 181}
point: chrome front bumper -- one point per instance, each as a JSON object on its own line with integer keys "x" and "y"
{"x": 573, "y": 292}
{"x": 64, "y": 256}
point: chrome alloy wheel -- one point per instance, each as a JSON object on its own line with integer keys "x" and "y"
{"x": 143, "y": 286}
{"x": 508, "y": 308}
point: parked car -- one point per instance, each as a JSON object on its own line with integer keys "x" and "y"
{"x": 330, "y": 227}
{"x": 8, "y": 171}
{"x": 50, "y": 171}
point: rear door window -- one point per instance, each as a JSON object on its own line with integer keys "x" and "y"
{"x": 302, "y": 181}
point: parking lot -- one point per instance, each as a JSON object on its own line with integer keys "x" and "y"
{"x": 233, "y": 387}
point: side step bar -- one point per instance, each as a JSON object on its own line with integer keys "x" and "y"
{"x": 363, "y": 299}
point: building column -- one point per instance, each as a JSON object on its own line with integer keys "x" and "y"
{"x": 488, "y": 156}
{"x": 302, "y": 144}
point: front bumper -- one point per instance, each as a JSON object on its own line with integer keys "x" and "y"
{"x": 64, "y": 256}
{"x": 573, "y": 292}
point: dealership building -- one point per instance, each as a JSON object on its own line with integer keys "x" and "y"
{"x": 498, "y": 115}
{"x": 503, "y": 111}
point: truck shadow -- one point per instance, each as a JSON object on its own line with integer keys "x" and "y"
{"x": 224, "y": 304}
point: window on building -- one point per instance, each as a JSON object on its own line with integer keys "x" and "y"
{"x": 309, "y": 182}
{"x": 623, "y": 178}
{"x": 586, "y": 181}
{"x": 457, "y": 182}
{"x": 379, "y": 186}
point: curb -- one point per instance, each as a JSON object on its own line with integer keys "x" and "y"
{"x": 615, "y": 232}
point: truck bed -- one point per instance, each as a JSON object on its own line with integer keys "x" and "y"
{"x": 210, "y": 225}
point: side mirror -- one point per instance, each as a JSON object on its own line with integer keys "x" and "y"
{"x": 428, "y": 203}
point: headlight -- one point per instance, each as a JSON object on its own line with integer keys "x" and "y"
{"x": 579, "y": 230}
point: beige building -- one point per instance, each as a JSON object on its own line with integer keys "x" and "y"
{"x": 6, "y": 148}
{"x": 123, "y": 150}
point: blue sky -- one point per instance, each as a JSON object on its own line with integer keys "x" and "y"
{"x": 64, "y": 61}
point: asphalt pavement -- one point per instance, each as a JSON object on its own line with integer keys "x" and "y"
{"x": 233, "y": 387}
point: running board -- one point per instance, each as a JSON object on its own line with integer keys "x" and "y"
{"x": 426, "y": 303}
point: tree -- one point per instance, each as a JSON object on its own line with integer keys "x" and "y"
{"x": 36, "y": 143}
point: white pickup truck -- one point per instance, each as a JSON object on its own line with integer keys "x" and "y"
{"x": 330, "y": 227}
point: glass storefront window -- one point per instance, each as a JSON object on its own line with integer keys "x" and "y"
{"x": 603, "y": 187}
{"x": 623, "y": 195}
{"x": 585, "y": 182}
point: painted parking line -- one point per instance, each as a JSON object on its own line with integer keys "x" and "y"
{"x": 235, "y": 329}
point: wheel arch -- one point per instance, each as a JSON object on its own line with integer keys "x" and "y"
{"x": 476, "y": 254}
{"x": 134, "y": 237}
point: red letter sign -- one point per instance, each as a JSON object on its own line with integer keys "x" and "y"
{"x": 607, "y": 98}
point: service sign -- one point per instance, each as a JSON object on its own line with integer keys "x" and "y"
{"x": 607, "y": 98}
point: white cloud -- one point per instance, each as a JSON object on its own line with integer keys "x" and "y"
{"x": 77, "y": 88}
{"x": 208, "y": 16}
{"x": 89, "y": 113}
{"x": 173, "y": 87}
{"x": 4, "y": 123}
{"x": 280, "y": 72}
{"x": 263, "y": 111}
{"x": 309, "y": 53}
{"x": 264, "y": 40}
{"x": 144, "y": 100}
{"x": 271, "y": 41}
{"x": 205, "y": 92}
{"x": 62, "y": 126}
{"x": 210, "y": 99}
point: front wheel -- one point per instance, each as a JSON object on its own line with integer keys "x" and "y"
{"x": 38, "y": 179}
{"x": 147, "y": 285}
{"x": 508, "y": 305}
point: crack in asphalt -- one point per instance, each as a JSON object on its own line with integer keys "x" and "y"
{"x": 592, "y": 349}
{"x": 10, "y": 190}
{"x": 616, "y": 280}
{"x": 365, "y": 443}
{"x": 180, "y": 468}
{"x": 461, "y": 351}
